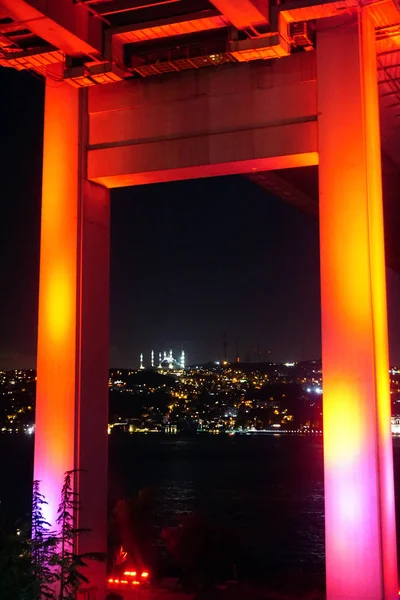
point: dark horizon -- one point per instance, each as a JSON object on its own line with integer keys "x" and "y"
{"x": 190, "y": 260}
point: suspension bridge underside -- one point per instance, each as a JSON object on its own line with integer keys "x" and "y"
{"x": 303, "y": 98}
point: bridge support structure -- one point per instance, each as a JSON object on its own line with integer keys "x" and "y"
{"x": 111, "y": 135}
{"x": 361, "y": 560}
{"x": 72, "y": 363}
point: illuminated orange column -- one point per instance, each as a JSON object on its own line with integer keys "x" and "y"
{"x": 72, "y": 365}
{"x": 359, "y": 496}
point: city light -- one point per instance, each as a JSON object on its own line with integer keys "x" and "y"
{"x": 221, "y": 415}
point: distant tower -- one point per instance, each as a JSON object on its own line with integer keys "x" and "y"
{"x": 170, "y": 359}
{"x": 152, "y": 359}
{"x": 159, "y": 360}
{"x": 165, "y": 355}
{"x": 141, "y": 361}
{"x": 183, "y": 359}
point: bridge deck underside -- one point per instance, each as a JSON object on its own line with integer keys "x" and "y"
{"x": 239, "y": 119}
{"x": 257, "y": 119}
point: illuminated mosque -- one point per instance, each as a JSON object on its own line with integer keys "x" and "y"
{"x": 166, "y": 362}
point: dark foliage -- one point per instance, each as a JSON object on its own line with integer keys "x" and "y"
{"x": 205, "y": 552}
{"x": 16, "y": 579}
{"x": 39, "y": 564}
{"x": 69, "y": 563}
{"x": 132, "y": 527}
{"x": 43, "y": 547}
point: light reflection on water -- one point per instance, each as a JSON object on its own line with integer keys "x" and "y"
{"x": 268, "y": 489}
{"x": 177, "y": 498}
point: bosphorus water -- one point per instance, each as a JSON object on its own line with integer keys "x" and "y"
{"x": 268, "y": 489}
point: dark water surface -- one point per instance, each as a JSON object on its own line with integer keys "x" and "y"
{"x": 269, "y": 489}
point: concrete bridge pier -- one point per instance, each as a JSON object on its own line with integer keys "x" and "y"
{"x": 72, "y": 364}
{"x": 361, "y": 562}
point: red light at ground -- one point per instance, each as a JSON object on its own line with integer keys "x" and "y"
{"x": 130, "y": 574}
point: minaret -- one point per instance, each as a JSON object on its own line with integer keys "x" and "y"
{"x": 141, "y": 361}
{"x": 183, "y": 360}
{"x": 159, "y": 360}
{"x": 170, "y": 359}
{"x": 152, "y": 359}
{"x": 165, "y": 356}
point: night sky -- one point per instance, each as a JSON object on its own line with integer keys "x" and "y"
{"x": 189, "y": 260}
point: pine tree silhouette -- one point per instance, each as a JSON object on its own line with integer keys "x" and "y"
{"x": 69, "y": 562}
{"x": 43, "y": 546}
